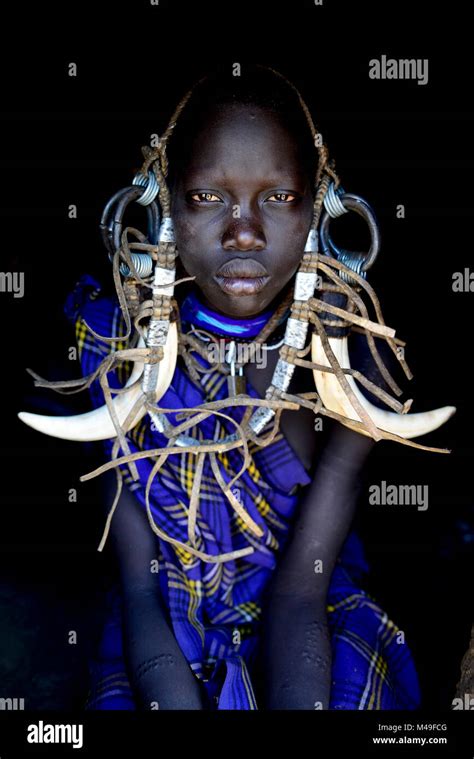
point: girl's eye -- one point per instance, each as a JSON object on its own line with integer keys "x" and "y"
{"x": 283, "y": 197}
{"x": 205, "y": 197}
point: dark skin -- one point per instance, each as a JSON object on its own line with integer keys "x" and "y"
{"x": 246, "y": 158}
{"x": 245, "y": 162}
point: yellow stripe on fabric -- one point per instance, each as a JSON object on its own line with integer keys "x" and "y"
{"x": 210, "y": 587}
{"x": 81, "y": 333}
{"x": 253, "y": 472}
{"x": 137, "y": 433}
{"x": 209, "y": 487}
{"x": 381, "y": 666}
{"x": 188, "y": 472}
{"x": 242, "y": 527}
{"x": 213, "y": 385}
{"x": 382, "y": 680}
{"x": 352, "y": 601}
{"x": 271, "y": 517}
{"x": 224, "y": 459}
{"x": 176, "y": 510}
{"x": 377, "y": 666}
{"x": 262, "y": 505}
{"x": 250, "y": 609}
{"x": 272, "y": 542}
{"x": 184, "y": 556}
{"x": 181, "y": 581}
{"x": 360, "y": 644}
{"x": 194, "y": 602}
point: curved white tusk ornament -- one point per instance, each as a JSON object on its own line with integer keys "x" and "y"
{"x": 335, "y": 399}
{"x": 97, "y": 424}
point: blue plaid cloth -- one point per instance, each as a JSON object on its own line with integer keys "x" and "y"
{"x": 372, "y": 667}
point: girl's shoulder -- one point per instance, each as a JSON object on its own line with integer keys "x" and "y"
{"x": 97, "y": 317}
{"x": 87, "y": 302}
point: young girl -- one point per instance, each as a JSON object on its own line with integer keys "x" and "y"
{"x": 207, "y": 615}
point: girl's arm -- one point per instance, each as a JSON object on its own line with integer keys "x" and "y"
{"x": 296, "y": 645}
{"x": 158, "y": 670}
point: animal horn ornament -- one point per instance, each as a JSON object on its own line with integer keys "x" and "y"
{"x": 334, "y": 351}
{"x": 97, "y": 424}
{"x": 334, "y": 398}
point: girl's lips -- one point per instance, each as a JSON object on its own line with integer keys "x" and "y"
{"x": 241, "y": 285}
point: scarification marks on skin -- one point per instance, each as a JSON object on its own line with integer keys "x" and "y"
{"x": 163, "y": 660}
{"x": 313, "y": 632}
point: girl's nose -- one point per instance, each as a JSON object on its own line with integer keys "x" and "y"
{"x": 244, "y": 234}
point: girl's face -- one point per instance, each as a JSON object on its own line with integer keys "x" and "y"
{"x": 242, "y": 208}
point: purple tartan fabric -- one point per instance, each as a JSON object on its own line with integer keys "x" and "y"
{"x": 209, "y": 602}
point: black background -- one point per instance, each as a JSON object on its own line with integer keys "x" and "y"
{"x": 77, "y": 140}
